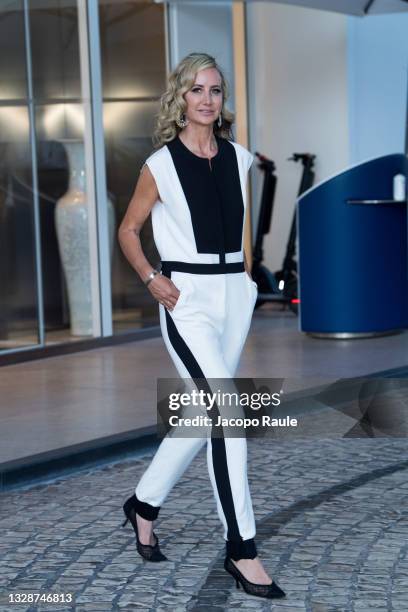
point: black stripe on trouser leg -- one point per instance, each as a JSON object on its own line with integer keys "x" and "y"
{"x": 145, "y": 510}
{"x": 236, "y": 547}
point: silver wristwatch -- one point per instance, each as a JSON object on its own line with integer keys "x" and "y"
{"x": 151, "y": 276}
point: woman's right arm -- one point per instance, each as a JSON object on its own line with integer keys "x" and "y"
{"x": 140, "y": 206}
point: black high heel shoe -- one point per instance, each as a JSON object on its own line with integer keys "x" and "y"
{"x": 270, "y": 591}
{"x": 147, "y": 551}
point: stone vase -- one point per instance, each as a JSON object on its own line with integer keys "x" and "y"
{"x": 71, "y": 221}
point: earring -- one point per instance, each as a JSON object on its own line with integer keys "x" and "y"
{"x": 182, "y": 121}
{"x": 219, "y": 120}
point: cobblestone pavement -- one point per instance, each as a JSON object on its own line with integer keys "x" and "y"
{"x": 331, "y": 519}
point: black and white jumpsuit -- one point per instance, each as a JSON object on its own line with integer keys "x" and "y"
{"x": 198, "y": 228}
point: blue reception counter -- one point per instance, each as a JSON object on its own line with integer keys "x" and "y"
{"x": 352, "y": 260}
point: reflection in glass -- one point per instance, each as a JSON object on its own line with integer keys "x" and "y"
{"x": 13, "y": 83}
{"x": 55, "y": 49}
{"x": 132, "y": 48}
{"x": 18, "y": 290}
{"x": 134, "y": 77}
{"x": 56, "y": 121}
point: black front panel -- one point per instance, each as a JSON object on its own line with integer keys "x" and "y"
{"x": 213, "y": 195}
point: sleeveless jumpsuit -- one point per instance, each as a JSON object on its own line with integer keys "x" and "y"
{"x": 198, "y": 229}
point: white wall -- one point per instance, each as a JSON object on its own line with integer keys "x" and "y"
{"x": 298, "y": 102}
{"x": 378, "y": 68}
{"x": 207, "y": 28}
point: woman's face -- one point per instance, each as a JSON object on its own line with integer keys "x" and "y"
{"x": 204, "y": 98}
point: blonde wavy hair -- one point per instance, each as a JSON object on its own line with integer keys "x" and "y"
{"x": 173, "y": 104}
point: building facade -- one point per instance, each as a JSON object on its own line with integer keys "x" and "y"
{"x": 81, "y": 83}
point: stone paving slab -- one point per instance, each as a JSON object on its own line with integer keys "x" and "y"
{"x": 332, "y": 530}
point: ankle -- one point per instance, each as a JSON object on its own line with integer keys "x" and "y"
{"x": 144, "y": 523}
{"x": 240, "y": 563}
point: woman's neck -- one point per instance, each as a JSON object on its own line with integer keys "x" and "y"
{"x": 202, "y": 142}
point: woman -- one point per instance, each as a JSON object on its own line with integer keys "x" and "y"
{"x": 195, "y": 187}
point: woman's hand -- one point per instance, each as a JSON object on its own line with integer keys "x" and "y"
{"x": 164, "y": 291}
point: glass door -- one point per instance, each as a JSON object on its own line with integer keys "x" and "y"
{"x": 133, "y": 57}
{"x": 19, "y": 290}
{"x": 67, "y": 206}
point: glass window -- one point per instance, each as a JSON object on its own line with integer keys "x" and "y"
{"x": 46, "y": 236}
{"x": 55, "y": 50}
{"x": 61, "y": 161}
{"x": 13, "y": 76}
{"x": 134, "y": 77}
{"x": 18, "y": 287}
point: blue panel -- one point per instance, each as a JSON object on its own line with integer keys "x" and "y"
{"x": 353, "y": 257}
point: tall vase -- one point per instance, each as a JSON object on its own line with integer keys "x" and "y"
{"x": 71, "y": 221}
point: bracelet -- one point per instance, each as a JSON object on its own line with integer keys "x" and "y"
{"x": 151, "y": 276}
